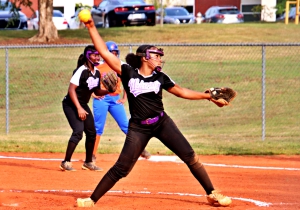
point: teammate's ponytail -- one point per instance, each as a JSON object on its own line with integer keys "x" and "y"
{"x": 80, "y": 60}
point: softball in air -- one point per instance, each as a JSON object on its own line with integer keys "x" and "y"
{"x": 84, "y": 15}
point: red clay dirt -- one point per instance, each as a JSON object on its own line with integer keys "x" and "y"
{"x": 34, "y": 181}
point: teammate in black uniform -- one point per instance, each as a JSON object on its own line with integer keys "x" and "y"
{"x": 144, "y": 82}
{"x": 84, "y": 82}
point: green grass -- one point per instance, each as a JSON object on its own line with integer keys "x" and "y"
{"x": 39, "y": 80}
{"x": 196, "y": 33}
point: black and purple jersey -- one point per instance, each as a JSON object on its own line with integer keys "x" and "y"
{"x": 86, "y": 81}
{"x": 144, "y": 93}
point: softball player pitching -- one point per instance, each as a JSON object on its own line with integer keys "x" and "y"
{"x": 143, "y": 82}
{"x": 111, "y": 103}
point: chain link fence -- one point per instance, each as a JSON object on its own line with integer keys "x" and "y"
{"x": 34, "y": 80}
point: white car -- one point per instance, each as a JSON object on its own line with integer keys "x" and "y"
{"x": 74, "y": 22}
{"x": 223, "y": 14}
{"x": 58, "y": 19}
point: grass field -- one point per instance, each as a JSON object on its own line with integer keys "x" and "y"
{"x": 38, "y": 82}
{"x": 196, "y": 33}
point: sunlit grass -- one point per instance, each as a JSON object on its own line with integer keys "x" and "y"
{"x": 196, "y": 33}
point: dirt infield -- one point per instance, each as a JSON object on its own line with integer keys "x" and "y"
{"x": 34, "y": 181}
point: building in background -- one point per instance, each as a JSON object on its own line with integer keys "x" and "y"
{"x": 268, "y": 13}
{"x": 247, "y": 10}
{"x": 68, "y": 7}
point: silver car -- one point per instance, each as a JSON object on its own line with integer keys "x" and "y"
{"x": 11, "y": 20}
{"x": 175, "y": 15}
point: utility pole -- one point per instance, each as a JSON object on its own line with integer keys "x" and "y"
{"x": 161, "y": 14}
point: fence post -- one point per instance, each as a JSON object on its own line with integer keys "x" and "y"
{"x": 7, "y": 90}
{"x": 263, "y": 94}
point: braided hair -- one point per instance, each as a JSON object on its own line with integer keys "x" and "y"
{"x": 135, "y": 60}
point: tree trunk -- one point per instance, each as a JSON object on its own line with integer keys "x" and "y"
{"x": 47, "y": 30}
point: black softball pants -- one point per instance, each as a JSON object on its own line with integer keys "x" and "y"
{"x": 136, "y": 140}
{"x": 79, "y": 126}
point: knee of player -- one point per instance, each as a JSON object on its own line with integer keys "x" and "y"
{"x": 120, "y": 170}
{"x": 91, "y": 136}
{"x": 193, "y": 161}
{"x": 76, "y": 137}
{"x": 75, "y": 140}
{"x": 117, "y": 174}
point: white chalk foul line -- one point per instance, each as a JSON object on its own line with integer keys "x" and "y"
{"x": 157, "y": 158}
{"x": 177, "y": 160}
{"x": 9, "y": 204}
{"x": 253, "y": 167}
{"x": 28, "y": 158}
{"x": 256, "y": 202}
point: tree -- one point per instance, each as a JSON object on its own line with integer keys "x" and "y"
{"x": 280, "y": 6}
{"x": 16, "y": 4}
{"x": 47, "y": 30}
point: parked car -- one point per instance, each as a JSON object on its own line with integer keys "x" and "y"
{"x": 223, "y": 14}
{"x": 110, "y": 13}
{"x": 9, "y": 19}
{"x": 292, "y": 15}
{"x": 58, "y": 19}
{"x": 175, "y": 15}
{"x": 74, "y": 22}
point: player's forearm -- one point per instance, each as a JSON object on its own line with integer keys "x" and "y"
{"x": 98, "y": 41}
{"x": 194, "y": 95}
{"x": 74, "y": 98}
{"x": 113, "y": 61}
{"x": 187, "y": 93}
